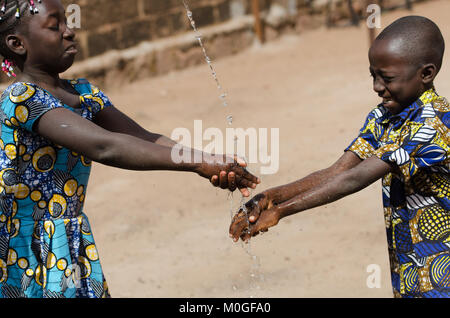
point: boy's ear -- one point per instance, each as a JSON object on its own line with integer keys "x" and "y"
{"x": 429, "y": 72}
{"x": 15, "y": 44}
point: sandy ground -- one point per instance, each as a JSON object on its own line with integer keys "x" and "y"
{"x": 165, "y": 234}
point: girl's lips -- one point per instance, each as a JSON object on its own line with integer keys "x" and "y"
{"x": 72, "y": 49}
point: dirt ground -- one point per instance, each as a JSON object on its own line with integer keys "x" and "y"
{"x": 165, "y": 234}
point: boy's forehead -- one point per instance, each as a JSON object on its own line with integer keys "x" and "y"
{"x": 389, "y": 51}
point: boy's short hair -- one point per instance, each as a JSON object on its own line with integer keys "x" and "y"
{"x": 421, "y": 41}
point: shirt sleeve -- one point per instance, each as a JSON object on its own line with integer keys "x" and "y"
{"x": 423, "y": 147}
{"x": 97, "y": 101}
{"x": 25, "y": 104}
{"x": 366, "y": 143}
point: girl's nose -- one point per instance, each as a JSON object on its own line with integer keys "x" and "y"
{"x": 69, "y": 33}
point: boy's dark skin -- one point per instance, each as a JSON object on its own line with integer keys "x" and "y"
{"x": 399, "y": 83}
{"x": 113, "y": 139}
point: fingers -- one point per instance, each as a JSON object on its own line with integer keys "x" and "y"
{"x": 240, "y": 161}
{"x": 238, "y": 225}
{"x": 215, "y": 181}
{"x": 231, "y": 181}
{"x": 223, "y": 180}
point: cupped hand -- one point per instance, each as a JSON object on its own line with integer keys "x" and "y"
{"x": 260, "y": 214}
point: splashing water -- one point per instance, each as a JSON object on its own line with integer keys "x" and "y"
{"x": 198, "y": 36}
{"x": 255, "y": 275}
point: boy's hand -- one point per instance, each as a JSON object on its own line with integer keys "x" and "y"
{"x": 229, "y": 176}
{"x": 261, "y": 214}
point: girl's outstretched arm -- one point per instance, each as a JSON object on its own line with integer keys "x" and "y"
{"x": 114, "y": 120}
{"x": 67, "y": 129}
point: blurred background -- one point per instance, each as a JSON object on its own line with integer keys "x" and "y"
{"x": 297, "y": 65}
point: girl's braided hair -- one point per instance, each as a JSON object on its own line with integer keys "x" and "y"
{"x": 10, "y": 14}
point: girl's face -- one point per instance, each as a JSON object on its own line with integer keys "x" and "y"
{"x": 395, "y": 80}
{"x": 50, "y": 44}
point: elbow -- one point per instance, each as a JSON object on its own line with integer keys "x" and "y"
{"x": 349, "y": 183}
{"x": 103, "y": 151}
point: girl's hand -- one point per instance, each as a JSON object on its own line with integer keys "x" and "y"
{"x": 261, "y": 214}
{"x": 229, "y": 176}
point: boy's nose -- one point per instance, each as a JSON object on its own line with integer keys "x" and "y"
{"x": 378, "y": 86}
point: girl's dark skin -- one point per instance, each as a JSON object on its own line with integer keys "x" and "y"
{"x": 44, "y": 47}
{"x": 399, "y": 84}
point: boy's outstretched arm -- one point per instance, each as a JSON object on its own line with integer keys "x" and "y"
{"x": 341, "y": 185}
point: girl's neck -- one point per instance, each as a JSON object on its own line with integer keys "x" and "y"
{"x": 39, "y": 78}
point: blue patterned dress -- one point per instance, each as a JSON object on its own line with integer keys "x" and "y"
{"x": 46, "y": 244}
{"x": 416, "y": 197}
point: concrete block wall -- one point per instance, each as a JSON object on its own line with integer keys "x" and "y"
{"x": 121, "y": 24}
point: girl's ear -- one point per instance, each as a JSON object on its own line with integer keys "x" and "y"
{"x": 429, "y": 72}
{"x": 15, "y": 44}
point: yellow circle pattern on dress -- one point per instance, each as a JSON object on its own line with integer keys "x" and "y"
{"x": 51, "y": 260}
{"x": 26, "y": 93}
{"x": 70, "y": 187}
{"x": 91, "y": 252}
{"x": 61, "y": 264}
{"x": 42, "y": 204}
{"x": 41, "y": 275}
{"x": 57, "y": 205}
{"x": 3, "y": 271}
{"x": 22, "y": 113}
{"x": 11, "y": 151}
{"x": 36, "y": 195}
{"x": 22, "y": 262}
{"x": 49, "y": 227}
{"x": 44, "y": 159}
{"x": 21, "y": 191}
{"x": 12, "y": 257}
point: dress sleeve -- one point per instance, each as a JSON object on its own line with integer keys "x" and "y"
{"x": 97, "y": 101}
{"x": 423, "y": 147}
{"x": 366, "y": 143}
{"x": 25, "y": 104}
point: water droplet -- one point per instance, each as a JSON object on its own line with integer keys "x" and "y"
{"x": 223, "y": 96}
{"x": 230, "y": 120}
{"x": 189, "y": 14}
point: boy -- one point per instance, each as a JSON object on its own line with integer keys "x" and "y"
{"x": 405, "y": 141}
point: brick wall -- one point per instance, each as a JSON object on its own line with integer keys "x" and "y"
{"x": 120, "y": 24}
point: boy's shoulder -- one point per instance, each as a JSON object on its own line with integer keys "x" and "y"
{"x": 440, "y": 104}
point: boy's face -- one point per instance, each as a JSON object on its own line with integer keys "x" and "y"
{"x": 395, "y": 79}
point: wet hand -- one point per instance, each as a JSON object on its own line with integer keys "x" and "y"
{"x": 229, "y": 176}
{"x": 259, "y": 216}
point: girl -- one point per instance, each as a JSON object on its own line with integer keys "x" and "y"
{"x": 51, "y": 130}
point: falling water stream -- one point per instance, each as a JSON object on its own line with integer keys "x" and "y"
{"x": 255, "y": 275}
